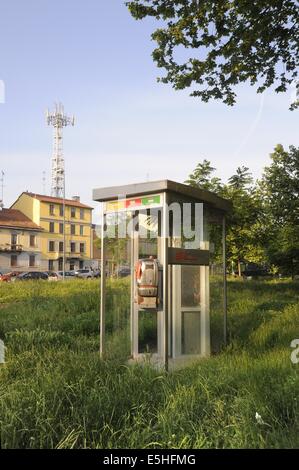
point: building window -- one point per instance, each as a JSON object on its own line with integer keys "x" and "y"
{"x": 73, "y": 229}
{"x": 81, "y": 264}
{"x": 73, "y": 247}
{"x": 51, "y": 227}
{"x": 32, "y": 240}
{"x": 82, "y": 214}
{"x": 51, "y": 265}
{"x": 51, "y": 246}
{"x": 14, "y": 260}
{"x": 60, "y": 228}
{"x": 60, "y": 247}
{"x": 61, "y": 210}
{"x": 14, "y": 240}
{"x": 82, "y": 247}
{"x": 81, "y": 230}
{"x": 72, "y": 265}
{"x": 60, "y": 264}
{"x": 51, "y": 209}
{"x": 73, "y": 212}
{"x": 31, "y": 261}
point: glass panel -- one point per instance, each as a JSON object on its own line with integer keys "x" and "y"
{"x": 148, "y": 332}
{"x": 190, "y": 285}
{"x": 191, "y": 225}
{"x": 148, "y": 233}
{"x": 117, "y": 270}
{"x": 118, "y": 245}
{"x": 191, "y": 333}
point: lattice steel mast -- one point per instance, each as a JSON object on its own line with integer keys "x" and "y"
{"x": 58, "y": 120}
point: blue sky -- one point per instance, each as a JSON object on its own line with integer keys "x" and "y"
{"x": 92, "y": 56}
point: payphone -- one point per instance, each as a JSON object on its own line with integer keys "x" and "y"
{"x": 146, "y": 281}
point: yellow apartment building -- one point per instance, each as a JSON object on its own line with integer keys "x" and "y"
{"x": 20, "y": 242}
{"x": 47, "y": 212}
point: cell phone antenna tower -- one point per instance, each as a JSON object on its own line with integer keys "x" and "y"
{"x": 58, "y": 119}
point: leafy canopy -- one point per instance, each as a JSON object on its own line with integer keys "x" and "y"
{"x": 228, "y": 41}
{"x": 280, "y": 186}
{"x": 241, "y": 179}
{"x": 279, "y": 191}
{"x": 202, "y": 177}
{"x": 263, "y": 226}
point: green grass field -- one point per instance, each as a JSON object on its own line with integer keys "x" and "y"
{"x": 55, "y": 392}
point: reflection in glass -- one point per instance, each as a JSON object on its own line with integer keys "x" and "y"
{"x": 190, "y": 285}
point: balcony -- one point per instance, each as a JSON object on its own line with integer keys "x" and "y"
{"x": 11, "y": 248}
{"x": 68, "y": 254}
{"x": 74, "y": 254}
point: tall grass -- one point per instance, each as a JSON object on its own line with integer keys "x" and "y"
{"x": 55, "y": 392}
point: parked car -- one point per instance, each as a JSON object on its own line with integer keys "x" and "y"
{"x": 253, "y": 270}
{"x": 53, "y": 276}
{"x": 32, "y": 275}
{"x": 9, "y": 277}
{"x": 96, "y": 273}
{"x": 123, "y": 272}
{"x": 67, "y": 274}
{"x": 84, "y": 273}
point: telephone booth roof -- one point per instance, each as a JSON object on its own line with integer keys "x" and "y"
{"x": 178, "y": 192}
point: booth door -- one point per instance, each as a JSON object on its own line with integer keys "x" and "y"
{"x": 190, "y": 310}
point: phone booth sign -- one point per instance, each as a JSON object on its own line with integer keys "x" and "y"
{"x": 170, "y": 286}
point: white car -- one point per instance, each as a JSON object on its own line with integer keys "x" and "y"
{"x": 84, "y": 273}
{"x": 53, "y": 276}
{"x": 69, "y": 275}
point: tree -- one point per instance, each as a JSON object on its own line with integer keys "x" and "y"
{"x": 244, "y": 235}
{"x": 263, "y": 226}
{"x": 229, "y": 41}
{"x": 202, "y": 177}
{"x": 241, "y": 179}
{"x": 283, "y": 249}
{"x": 244, "y": 230}
{"x": 279, "y": 189}
{"x": 244, "y": 239}
{"x": 280, "y": 186}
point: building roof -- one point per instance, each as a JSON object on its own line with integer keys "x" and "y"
{"x": 58, "y": 200}
{"x": 179, "y": 190}
{"x": 13, "y": 218}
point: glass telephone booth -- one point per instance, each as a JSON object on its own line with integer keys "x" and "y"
{"x": 165, "y": 226}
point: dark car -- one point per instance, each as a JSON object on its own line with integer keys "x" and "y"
{"x": 33, "y": 275}
{"x": 123, "y": 272}
{"x": 253, "y": 270}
